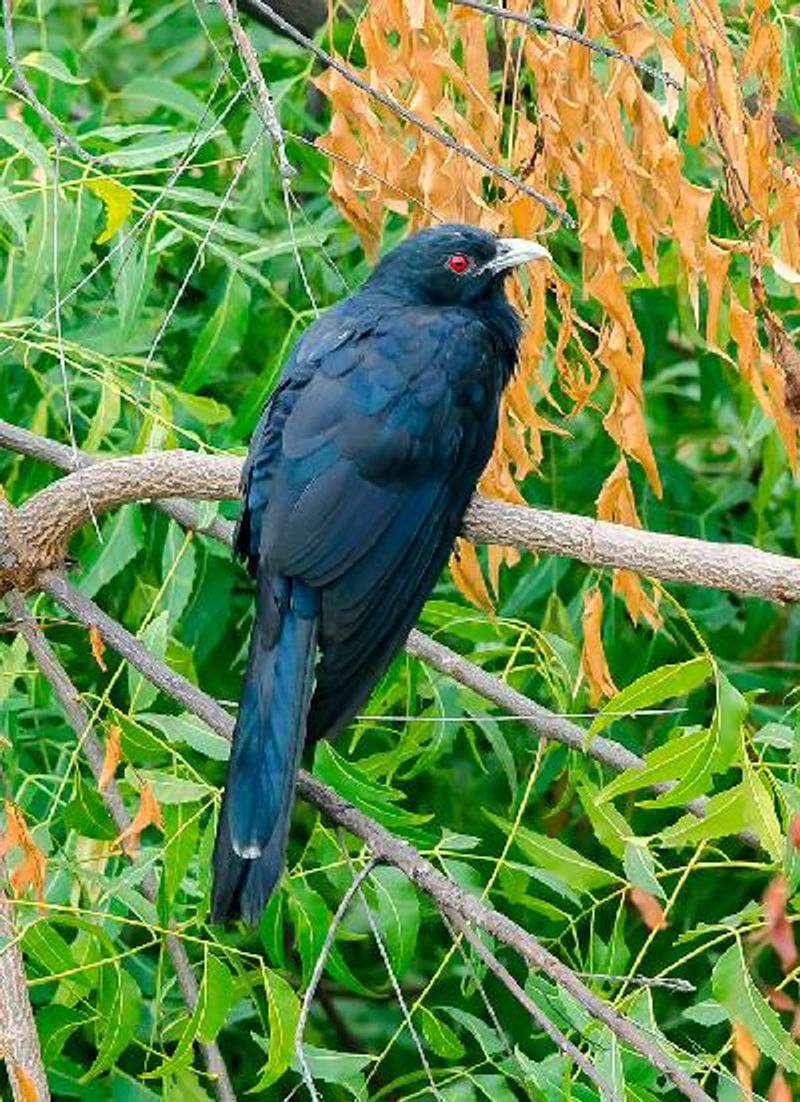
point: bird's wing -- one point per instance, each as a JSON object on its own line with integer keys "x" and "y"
{"x": 378, "y": 459}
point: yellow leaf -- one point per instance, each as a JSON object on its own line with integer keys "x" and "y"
{"x": 593, "y": 656}
{"x": 117, "y": 200}
{"x": 468, "y": 576}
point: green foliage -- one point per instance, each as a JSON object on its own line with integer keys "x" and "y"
{"x": 177, "y": 338}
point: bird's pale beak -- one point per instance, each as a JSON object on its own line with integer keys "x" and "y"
{"x": 512, "y": 251}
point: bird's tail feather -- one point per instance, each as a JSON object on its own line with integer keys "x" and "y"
{"x": 250, "y": 847}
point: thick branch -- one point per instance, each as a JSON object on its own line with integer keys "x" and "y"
{"x": 92, "y": 752}
{"x": 383, "y": 845}
{"x": 45, "y": 521}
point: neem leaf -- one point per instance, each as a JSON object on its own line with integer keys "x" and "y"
{"x": 733, "y": 987}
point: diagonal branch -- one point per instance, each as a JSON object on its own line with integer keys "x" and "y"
{"x": 45, "y": 521}
{"x": 383, "y": 845}
{"x": 92, "y": 752}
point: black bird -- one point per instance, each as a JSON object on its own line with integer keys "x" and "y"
{"x": 358, "y": 477}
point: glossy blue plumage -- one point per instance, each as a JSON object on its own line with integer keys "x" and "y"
{"x": 359, "y": 474}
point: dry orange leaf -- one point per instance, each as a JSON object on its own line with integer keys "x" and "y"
{"x": 781, "y": 935}
{"x": 779, "y": 1090}
{"x": 98, "y": 647}
{"x": 794, "y": 830}
{"x": 147, "y": 814}
{"x": 111, "y": 758}
{"x": 649, "y": 908}
{"x": 468, "y": 576}
{"x": 30, "y": 872}
{"x": 746, "y": 1056}
{"x": 593, "y": 655}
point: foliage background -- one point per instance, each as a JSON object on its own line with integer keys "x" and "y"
{"x": 149, "y": 303}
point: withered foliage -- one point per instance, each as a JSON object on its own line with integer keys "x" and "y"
{"x": 632, "y": 162}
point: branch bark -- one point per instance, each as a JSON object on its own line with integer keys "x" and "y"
{"x": 44, "y": 522}
{"x": 19, "y": 1041}
{"x": 383, "y": 845}
{"x": 92, "y": 752}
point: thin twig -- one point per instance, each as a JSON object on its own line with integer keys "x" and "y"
{"x": 24, "y": 85}
{"x": 397, "y": 108}
{"x": 395, "y": 983}
{"x": 319, "y": 967}
{"x": 559, "y": 1039}
{"x": 265, "y": 105}
{"x": 562, "y": 31}
{"x": 91, "y": 750}
{"x": 381, "y": 843}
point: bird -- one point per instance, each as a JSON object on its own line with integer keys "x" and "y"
{"x": 354, "y": 489}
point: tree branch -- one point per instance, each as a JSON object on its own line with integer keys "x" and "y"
{"x": 382, "y": 844}
{"x": 46, "y": 520}
{"x": 19, "y": 1041}
{"x": 92, "y": 752}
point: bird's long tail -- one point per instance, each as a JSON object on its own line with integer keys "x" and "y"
{"x": 250, "y": 847}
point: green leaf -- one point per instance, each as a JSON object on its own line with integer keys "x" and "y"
{"x": 181, "y": 832}
{"x": 88, "y": 815}
{"x": 579, "y": 872}
{"x": 440, "y": 1036}
{"x": 610, "y": 828}
{"x": 178, "y": 566}
{"x": 141, "y": 692}
{"x": 284, "y": 1010}
{"x": 123, "y": 536}
{"x": 398, "y": 915}
{"x": 221, "y": 337}
{"x": 55, "y": 1025}
{"x": 190, "y": 730}
{"x": 662, "y": 764}
{"x": 653, "y": 688}
{"x": 173, "y": 790}
{"x": 119, "y": 1005}
{"x": 640, "y": 868}
{"x": 725, "y": 814}
{"x": 53, "y": 66}
{"x": 312, "y": 919}
{"x": 143, "y": 94}
{"x": 715, "y": 753}
{"x": 759, "y": 811}
{"x": 106, "y": 415}
{"x": 733, "y": 987}
{"x": 22, "y": 138}
{"x": 150, "y": 150}
{"x": 11, "y": 213}
{"x": 217, "y": 995}
{"x": 341, "y": 1068}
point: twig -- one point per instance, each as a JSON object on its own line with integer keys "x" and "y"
{"x": 266, "y": 107}
{"x": 319, "y": 967}
{"x": 382, "y": 844}
{"x": 19, "y": 1041}
{"x": 90, "y": 748}
{"x": 569, "y": 32}
{"x": 28, "y": 91}
{"x": 48, "y": 517}
{"x": 560, "y": 1040}
{"x": 395, "y": 983}
{"x": 393, "y": 105}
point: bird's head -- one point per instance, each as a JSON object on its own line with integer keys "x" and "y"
{"x": 453, "y": 264}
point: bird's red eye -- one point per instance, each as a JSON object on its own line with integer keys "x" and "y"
{"x": 458, "y": 263}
